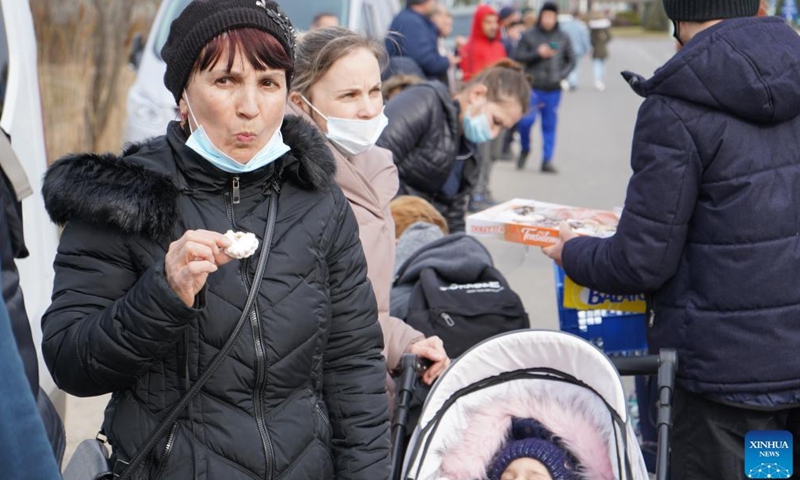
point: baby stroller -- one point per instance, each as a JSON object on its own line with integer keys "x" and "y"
{"x": 556, "y": 378}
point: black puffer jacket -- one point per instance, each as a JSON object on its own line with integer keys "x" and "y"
{"x": 12, "y": 246}
{"x": 301, "y": 395}
{"x": 426, "y": 140}
{"x": 546, "y": 73}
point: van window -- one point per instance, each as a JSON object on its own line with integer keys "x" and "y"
{"x": 298, "y": 12}
{"x": 3, "y": 61}
{"x": 174, "y": 8}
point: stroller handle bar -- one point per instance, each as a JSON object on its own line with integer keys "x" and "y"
{"x": 665, "y": 366}
{"x": 646, "y": 365}
{"x": 411, "y": 367}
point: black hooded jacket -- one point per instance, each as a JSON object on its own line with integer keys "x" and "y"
{"x": 545, "y": 73}
{"x": 457, "y": 257}
{"x": 301, "y": 395}
{"x": 12, "y": 246}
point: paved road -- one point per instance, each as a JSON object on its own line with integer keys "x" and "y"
{"x": 593, "y": 157}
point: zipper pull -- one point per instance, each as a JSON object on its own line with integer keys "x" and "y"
{"x": 448, "y": 319}
{"x": 236, "y": 195}
{"x": 276, "y": 186}
{"x": 652, "y": 318}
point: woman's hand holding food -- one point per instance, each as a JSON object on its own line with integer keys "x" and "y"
{"x": 190, "y": 260}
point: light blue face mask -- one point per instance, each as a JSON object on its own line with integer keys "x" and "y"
{"x": 477, "y": 129}
{"x": 201, "y": 143}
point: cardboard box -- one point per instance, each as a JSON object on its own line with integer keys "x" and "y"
{"x": 536, "y": 223}
{"x": 582, "y": 298}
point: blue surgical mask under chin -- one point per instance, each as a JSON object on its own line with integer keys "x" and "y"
{"x": 477, "y": 129}
{"x": 201, "y": 143}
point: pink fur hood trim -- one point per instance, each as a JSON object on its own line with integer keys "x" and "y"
{"x": 579, "y": 418}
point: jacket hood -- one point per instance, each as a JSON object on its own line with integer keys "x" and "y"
{"x": 451, "y": 107}
{"x": 551, "y": 7}
{"x": 413, "y": 239}
{"x": 761, "y": 54}
{"x": 456, "y": 257}
{"x": 137, "y": 192}
{"x": 481, "y": 13}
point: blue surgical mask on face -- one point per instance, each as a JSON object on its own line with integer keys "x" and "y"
{"x": 477, "y": 129}
{"x": 201, "y": 143}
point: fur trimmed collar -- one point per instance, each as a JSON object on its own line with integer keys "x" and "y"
{"x": 137, "y": 192}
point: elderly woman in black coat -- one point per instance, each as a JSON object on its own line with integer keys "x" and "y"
{"x": 147, "y": 292}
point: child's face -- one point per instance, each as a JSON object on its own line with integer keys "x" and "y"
{"x": 526, "y": 469}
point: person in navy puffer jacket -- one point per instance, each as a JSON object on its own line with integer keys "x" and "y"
{"x": 413, "y": 43}
{"x": 711, "y": 229}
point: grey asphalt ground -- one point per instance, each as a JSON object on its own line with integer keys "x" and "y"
{"x": 592, "y": 155}
{"x": 595, "y": 132}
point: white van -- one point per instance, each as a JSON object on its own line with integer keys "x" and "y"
{"x": 21, "y": 119}
{"x": 151, "y": 106}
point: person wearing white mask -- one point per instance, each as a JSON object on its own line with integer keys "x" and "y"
{"x": 221, "y": 367}
{"x": 338, "y": 89}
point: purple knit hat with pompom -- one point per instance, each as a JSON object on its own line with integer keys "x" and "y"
{"x": 529, "y": 439}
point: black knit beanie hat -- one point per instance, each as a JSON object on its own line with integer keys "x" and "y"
{"x": 203, "y": 20}
{"x": 549, "y": 7}
{"x": 704, "y": 10}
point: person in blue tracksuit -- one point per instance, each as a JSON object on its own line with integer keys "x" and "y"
{"x": 546, "y": 52}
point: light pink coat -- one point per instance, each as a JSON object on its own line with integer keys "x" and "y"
{"x": 370, "y": 182}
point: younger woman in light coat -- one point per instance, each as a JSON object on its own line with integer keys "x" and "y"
{"x": 338, "y": 89}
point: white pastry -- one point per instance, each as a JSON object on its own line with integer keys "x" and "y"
{"x": 244, "y": 244}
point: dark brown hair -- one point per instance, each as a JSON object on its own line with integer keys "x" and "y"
{"x": 260, "y": 48}
{"x": 505, "y": 80}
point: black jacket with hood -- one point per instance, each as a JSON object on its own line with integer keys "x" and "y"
{"x": 711, "y": 226}
{"x": 426, "y": 139}
{"x": 301, "y": 395}
{"x": 12, "y": 247}
{"x": 456, "y": 257}
{"x": 545, "y": 73}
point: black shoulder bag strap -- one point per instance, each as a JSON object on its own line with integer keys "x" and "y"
{"x": 187, "y": 397}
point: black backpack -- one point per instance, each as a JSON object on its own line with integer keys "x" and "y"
{"x": 463, "y": 315}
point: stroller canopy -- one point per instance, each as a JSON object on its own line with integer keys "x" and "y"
{"x": 525, "y": 373}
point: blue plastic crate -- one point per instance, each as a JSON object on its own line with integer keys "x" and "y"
{"x": 615, "y": 333}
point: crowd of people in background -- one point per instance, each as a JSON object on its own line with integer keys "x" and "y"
{"x": 548, "y": 47}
